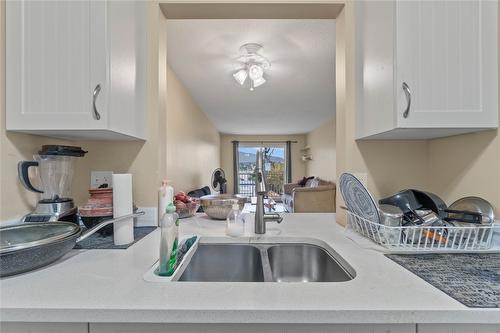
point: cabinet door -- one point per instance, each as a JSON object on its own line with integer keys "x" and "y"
{"x": 447, "y": 55}
{"x": 375, "y": 62}
{"x": 49, "y": 65}
{"x": 126, "y": 25}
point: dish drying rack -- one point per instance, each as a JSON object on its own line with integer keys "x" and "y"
{"x": 418, "y": 238}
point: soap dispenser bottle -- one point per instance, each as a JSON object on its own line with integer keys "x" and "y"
{"x": 235, "y": 223}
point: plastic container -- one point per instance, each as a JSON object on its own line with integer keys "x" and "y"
{"x": 235, "y": 223}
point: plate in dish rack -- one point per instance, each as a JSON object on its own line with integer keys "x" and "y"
{"x": 357, "y": 198}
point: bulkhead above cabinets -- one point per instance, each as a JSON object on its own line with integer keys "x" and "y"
{"x": 426, "y": 69}
{"x": 76, "y": 69}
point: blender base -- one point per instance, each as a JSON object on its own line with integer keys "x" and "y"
{"x": 47, "y": 211}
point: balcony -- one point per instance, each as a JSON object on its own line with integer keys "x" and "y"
{"x": 274, "y": 182}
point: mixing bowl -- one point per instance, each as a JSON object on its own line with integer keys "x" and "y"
{"x": 218, "y": 206}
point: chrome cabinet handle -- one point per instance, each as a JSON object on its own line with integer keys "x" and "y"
{"x": 97, "y": 90}
{"x": 407, "y": 91}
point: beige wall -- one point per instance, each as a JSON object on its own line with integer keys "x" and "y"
{"x": 298, "y": 166}
{"x": 193, "y": 143}
{"x": 321, "y": 142}
{"x": 466, "y": 165}
{"x": 145, "y": 160}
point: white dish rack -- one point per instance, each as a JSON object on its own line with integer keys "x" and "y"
{"x": 424, "y": 238}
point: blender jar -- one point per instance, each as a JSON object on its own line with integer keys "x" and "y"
{"x": 56, "y": 166}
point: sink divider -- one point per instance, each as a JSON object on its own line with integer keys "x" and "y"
{"x": 266, "y": 265}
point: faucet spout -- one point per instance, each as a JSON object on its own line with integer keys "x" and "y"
{"x": 261, "y": 190}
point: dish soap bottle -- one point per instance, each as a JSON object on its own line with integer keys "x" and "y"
{"x": 169, "y": 228}
{"x": 235, "y": 223}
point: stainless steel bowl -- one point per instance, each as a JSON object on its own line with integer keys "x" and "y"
{"x": 218, "y": 206}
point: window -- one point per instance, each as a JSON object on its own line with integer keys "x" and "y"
{"x": 275, "y": 167}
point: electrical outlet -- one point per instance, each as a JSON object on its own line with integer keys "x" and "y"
{"x": 363, "y": 178}
{"x": 99, "y": 178}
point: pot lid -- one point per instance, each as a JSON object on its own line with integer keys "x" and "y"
{"x": 28, "y": 235}
{"x": 60, "y": 150}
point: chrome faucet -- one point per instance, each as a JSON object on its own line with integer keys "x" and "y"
{"x": 261, "y": 217}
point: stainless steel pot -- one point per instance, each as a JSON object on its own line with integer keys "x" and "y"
{"x": 27, "y": 246}
{"x": 391, "y": 216}
{"x": 471, "y": 210}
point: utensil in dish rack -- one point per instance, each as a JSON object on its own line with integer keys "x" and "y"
{"x": 431, "y": 201}
{"x": 357, "y": 198}
{"x": 408, "y": 203}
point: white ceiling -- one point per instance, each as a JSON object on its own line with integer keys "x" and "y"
{"x": 300, "y": 90}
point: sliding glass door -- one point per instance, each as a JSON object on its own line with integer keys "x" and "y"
{"x": 275, "y": 167}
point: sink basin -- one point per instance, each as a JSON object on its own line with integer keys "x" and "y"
{"x": 225, "y": 263}
{"x": 304, "y": 263}
{"x": 262, "y": 262}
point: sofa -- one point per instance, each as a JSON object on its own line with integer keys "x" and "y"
{"x": 315, "y": 196}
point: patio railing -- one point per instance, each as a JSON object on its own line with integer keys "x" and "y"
{"x": 274, "y": 182}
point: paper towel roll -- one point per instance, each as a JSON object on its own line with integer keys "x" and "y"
{"x": 122, "y": 205}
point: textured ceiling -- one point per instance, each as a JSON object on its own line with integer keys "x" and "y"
{"x": 300, "y": 90}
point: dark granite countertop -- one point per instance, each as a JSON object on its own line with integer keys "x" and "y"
{"x": 472, "y": 279}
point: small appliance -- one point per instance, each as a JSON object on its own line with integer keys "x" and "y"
{"x": 219, "y": 181}
{"x": 55, "y": 165}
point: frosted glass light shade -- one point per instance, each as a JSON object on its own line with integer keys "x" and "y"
{"x": 258, "y": 82}
{"x": 255, "y": 72}
{"x": 240, "y": 76}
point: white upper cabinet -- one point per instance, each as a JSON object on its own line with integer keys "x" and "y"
{"x": 426, "y": 69}
{"x": 76, "y": 69}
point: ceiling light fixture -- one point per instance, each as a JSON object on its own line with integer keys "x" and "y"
{"x": 240, "y": 76}
{"x": 253, "y": 64}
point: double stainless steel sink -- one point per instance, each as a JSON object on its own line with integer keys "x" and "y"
{"x": 281, "y": 262}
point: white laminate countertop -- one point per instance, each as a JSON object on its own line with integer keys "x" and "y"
{"x": 108, "y": 286}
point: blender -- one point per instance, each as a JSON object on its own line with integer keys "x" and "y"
{"x": 55, "y": 165}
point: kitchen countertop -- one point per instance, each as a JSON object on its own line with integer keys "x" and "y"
{"x": 108, "y": 286}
